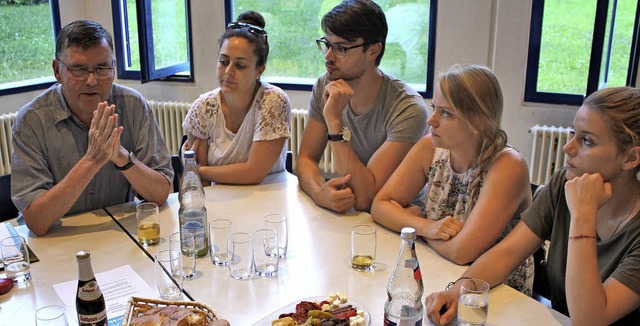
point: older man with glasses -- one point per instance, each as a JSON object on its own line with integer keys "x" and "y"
{"x": 370, "y": 118}
{"x": 85, "y": 142}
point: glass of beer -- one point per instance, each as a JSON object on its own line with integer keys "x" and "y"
{"x": 148, "y": 221}
{"x": 363, "y": 248}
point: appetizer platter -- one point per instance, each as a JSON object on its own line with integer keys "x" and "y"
{"x": 332, "y": 310}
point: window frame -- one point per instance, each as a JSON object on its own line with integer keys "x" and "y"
{"x": 147, "y": 71}
{"x": 57, "y": 25}
{"x": 595, "y": 62}
{"x": 229, "y": 16}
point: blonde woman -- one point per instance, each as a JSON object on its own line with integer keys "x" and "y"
{"x": 476, "y": 186}
{"x": 589, "y": 211}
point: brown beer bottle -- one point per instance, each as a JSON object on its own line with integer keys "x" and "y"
{"x": 89, "y": 299}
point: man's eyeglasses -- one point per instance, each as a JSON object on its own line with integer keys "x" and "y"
{"x": 253, "y": 29}
{"x": 82, "y": 73}
{"x": 339, "y": 50}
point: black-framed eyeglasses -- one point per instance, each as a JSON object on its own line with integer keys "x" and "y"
{"x": 339, "y": 50}
{"x": 253, "y": 29}
{"x": 82, "y": 73}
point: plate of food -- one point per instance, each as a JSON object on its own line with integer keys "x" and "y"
{"x": 336, "y": 308}
{"x": 143, "y": 311}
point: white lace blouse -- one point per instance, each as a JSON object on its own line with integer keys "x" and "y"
{"x": 268, "y": 118}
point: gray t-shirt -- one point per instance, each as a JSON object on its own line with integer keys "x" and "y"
{"x": 48, "y": 140}
{"x": 618, "y": 257}
{"x": 399, "y": 114}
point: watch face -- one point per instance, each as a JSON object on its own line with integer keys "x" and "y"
{"x": 346, "y": 134}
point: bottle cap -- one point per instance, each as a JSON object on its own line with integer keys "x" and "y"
{"x": 408, "y": 232}
{"x": 189, "y": 154}
{"x": 83, "y": 254}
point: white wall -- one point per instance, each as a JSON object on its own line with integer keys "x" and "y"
{"x": 494, "y": 33}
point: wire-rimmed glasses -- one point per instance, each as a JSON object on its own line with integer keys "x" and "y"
{"x": 253, "y": 29}
{"x": 82, "y": 73}
{"x": 339, "y": 50}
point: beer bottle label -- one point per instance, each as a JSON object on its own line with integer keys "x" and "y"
{"x": 89, "y": 291}
{"x": 93, "y": 319}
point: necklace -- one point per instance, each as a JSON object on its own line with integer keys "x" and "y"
{"x": 626, "y": 217}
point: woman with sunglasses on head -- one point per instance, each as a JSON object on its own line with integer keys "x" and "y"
{"x": 476, "y": 185}
{"x": 589, "y": 213}
{"x": 239, "y": 130}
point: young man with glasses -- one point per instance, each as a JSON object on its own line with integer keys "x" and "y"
{"x": 85, "y": 142}
{"x": 370, "y": 118}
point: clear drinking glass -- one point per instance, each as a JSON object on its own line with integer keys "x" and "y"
{"x": 15, "y": 257}
{"x": 169, "y": 284}
{"x": 265, "y": 258}
{"x": 280, "y": 224}
{"x": 363, "y": 248}
{"x": 53, "y": 315}
{"x": 241, "y": 264}
{"x": 219, "y": 231}
{"x": 184, "y": 245}
{"x": 473, "y": 302}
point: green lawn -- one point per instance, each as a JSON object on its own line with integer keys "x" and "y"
{"x": 26, "y": 42}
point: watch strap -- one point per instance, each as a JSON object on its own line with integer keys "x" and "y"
{"x": 126, "y": 166}
{"x": 337, "y": 137}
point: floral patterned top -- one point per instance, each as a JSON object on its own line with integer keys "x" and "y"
{"x": 448, "y": 194}
{"x": 268, "y": 118}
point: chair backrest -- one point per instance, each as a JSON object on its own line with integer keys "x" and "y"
{"x": 541, "y": 289}
{"x": 176, "y": 163}
{"x": 7, "y": 209}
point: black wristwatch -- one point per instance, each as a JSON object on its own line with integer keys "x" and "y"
{"x": 344, "y": 135}
{"x": 132, "y": 161}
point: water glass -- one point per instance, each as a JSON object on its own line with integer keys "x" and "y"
{"x": 183, "y": 245}
{"x": 279, "y": 223}
{"x": 15, "y": 257}
{"x": 265, "y": 249}
{"x": 363, "y": 248}
{"x": 241, "y": 263}
{"x": 473, "y": 302}
{"x": 169, "y": 287}
{"x": 52, "y": 315}
{"x": 219, "y": 231}
{"x": 148, "y": 223}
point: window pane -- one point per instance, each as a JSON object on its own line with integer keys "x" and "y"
{"x": 26, "y": 44}
{"x": 169, "y": 32}
{"x": 293, "y": 27}
{"x": 133, "y": 48}
{"x": 565, "y": 47}
{"x": 622, "y": 40}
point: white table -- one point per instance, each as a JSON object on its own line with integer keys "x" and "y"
{"x": 95, "y": 231}
{"x": 318, "y": 261}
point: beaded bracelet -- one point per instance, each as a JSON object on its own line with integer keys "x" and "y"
{"x": 456, "y": 281}
{"x": 582, "y": 236}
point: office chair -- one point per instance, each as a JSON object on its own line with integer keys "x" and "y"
{"x": 7, "y": 209}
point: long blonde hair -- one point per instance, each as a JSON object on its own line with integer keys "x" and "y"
{"x": 475, "y": 92}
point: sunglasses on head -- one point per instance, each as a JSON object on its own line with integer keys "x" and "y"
{"x": 253, "y": 29}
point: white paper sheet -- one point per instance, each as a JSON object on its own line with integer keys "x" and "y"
{"x": 117, "y": 286}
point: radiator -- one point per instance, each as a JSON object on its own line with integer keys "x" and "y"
{"x": 170, "y": 116}
{"x": 546, "y": 151}
{"x": 6, "y": 147}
